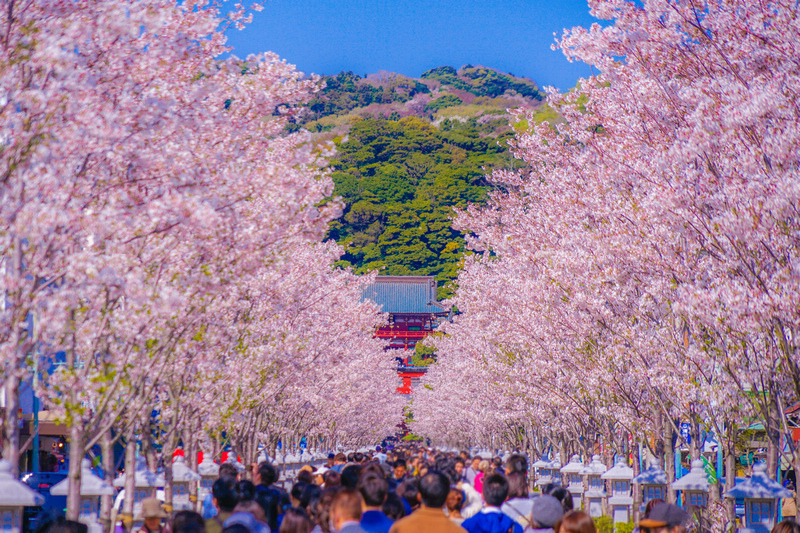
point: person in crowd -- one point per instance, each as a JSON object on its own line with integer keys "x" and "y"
{"x": 267, "y": 476}
{"x": 484, "y": 468}
{"x": 332, "y": 478}
{"x": 319, "y": 476}
{"x": 400, "y": 471}
{"x": 297, "y": 493}
{"x": 517, "y": 463}
{"x": 650, "y": 504}
{"x": 373, "y": 489}
{"x": 339, "y": 461}
{"x": 497, "y": 464}
{"x": 473, "y": 470}
{"x": 346, "y": 511}
{"x": 665, "y": 518}
{"x": 251, "y": 507}
{"x": 546, "y": 511}
{"x": 309, "y": 493}
{"x": 471, "y": 501}
{"x": 459, "y": 466}
{"x": 491, "y": 519}
{"x": 153, "y": 516}
{"x": 296, "y": 520}
{"x": 789, "y": 505}
{"x": 379, "y": 455}
{"x": 244, "y": 521}
{"x": 787, "y": 525}
{"x": 393, "y": 507}
{"x": 575, "y": 522}
{"x": 269, "y": 501}
{"x": 188, "y": 522}
{"x": 225, "y": 499}
{"x": 350, "y": 476}
{"x": 306, "y": 476}
{"x": 209, "y": 510}
{"x": 409, "y": 491}
{"x": 518, "y": 505}
{"x": 320, "y": 510}
{"x": 245, "y": 490}
{"x": 433, "y": 490}
{"x": 561, "y": 494}
{"x": 329, "y": 461}
{"x": 453, "y": 504}
{"x": 423, "y": 468}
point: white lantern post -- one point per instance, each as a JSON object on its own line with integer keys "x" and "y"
{"x": 652, "y": 482}
{"x": 92, "y": 487}
{"x": 145, "y": 484}
{"x": 574, "y": 479}
{"x": 14, "y": 495}
{"x": 694, "y": 487}
{"x": 209, "y": 472}
{"x": 761, "y": 496}
{"x": 547, "y": 471}
{"x": 619, "y": 500}
{"x": 182, "y": 475}
{"x": 594, "y": 486}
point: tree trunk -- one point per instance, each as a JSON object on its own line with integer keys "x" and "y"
{"x": 730, "y": 481}
{"x": 130, "y": 471}
{"x": 106, "y": 502}
{"x": 11, "y": 437}
{"x": 669, "y": 465}
{"x": 76, "y": 444}
{"x": 168, "y": 450}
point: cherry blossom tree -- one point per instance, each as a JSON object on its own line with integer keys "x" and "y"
{"x": 642, "y": 264}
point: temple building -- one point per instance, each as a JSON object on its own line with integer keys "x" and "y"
{"x": 413, "y": 315}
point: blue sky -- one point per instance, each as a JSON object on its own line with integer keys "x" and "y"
{"x": 410, "y": 37}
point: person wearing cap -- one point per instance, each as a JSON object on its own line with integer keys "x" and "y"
{"x": 546, "y": 511}
{"x": 665, "y": 518}
{"x": 152, "y": 513}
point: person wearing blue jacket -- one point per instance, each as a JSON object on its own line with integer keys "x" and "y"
{"x": 491, "y": 519}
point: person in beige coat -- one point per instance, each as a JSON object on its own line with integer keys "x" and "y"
{"x": 433, "y": 490}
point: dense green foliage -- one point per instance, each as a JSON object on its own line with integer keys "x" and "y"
{"x": 347, "y": 91}
{"x": 400, "y": 181}
{"x": 448, "y": 100}
{"x": 483, "y": 81}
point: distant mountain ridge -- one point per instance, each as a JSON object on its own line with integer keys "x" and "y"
{"x": 438, "y": 94}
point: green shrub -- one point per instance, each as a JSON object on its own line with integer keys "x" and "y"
{"x": 604, "y": 524}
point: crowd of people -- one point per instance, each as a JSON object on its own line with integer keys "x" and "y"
{"x": 410, "y": 490}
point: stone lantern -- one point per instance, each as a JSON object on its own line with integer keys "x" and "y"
{"x": 574, "y": 479}
{"x": 182, "y": 475}
{"x": 14, "y": 495}
{"x": 547, "y": 471}
{"x": 209, "y": 472}
{"x": 761, "y": 496}
{"x": 595, "y": 487}
{"x": 145, "y": 484}
{"x": 653, "y": 483}
{"x": 694, "y": 486}
{"x": 92, "y": 487}
{"x": 619, "y": 499}
{"x": 236, "y": 464}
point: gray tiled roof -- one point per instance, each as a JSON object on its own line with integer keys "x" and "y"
{"x": 403, "y": 294}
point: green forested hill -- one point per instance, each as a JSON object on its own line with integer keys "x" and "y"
{"x": 409, "y": 151}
